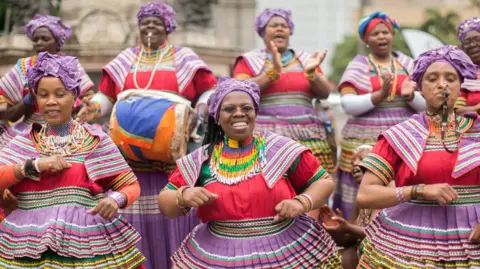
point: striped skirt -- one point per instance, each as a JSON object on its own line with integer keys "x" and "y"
{"x": 258, "y": 243}
{"x": 422, "y": 234}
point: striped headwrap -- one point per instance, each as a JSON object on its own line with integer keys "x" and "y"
{"x": 369, "y": 22}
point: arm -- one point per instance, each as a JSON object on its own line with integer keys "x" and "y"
{"x": 319, "y": 85}
{"x": 242, "y": 71}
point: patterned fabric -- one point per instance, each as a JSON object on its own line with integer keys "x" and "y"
{"x": 209, "y": 245}
{"x": 187, "y": 63}
{"x": 60, "y": 31}
{"x": 402, "y": 237}
{"x": 471, "y": 24}
{"x": 160, "y": 10}
{"x": 379, "y": 166}
{"x": 280, "y": 154}
{"x": 51, "y": 226}
{"x": 366, "y": 23}
{"x": 263, "y": 18}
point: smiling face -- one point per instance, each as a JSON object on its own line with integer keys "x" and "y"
{"x": 380, "y": 40}
{"x": 156, "y": 27}
{"x": 471, "y": 46}
{"x": 54, "y": 101}
{"x": 436, "y": 76}
{"x": 237, "y": 116}
{"x": 43, "y": 40}
{"x": 357, "y": 172}
{"x": 277, "y": 30}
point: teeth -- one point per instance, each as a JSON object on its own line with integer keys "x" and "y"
{"x": 237, "y": 124}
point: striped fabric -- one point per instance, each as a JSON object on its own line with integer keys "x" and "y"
{"x": 471, "y": 85}
{"x": 187, "y": 63}
{"x": 257, "y": 58}
{"x": 281, "y": 153}
{"x": 409, "y": 138}
{"x": 379, "y": 166}
{"x": 421, "y": 234}
{"x": 258, "y": 243}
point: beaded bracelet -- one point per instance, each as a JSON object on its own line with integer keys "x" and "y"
{"x": 272, "y": 73}
{"x": 310, "y": 75}
{"x": 399, "y": 193}
{"x": 119, "y": 198}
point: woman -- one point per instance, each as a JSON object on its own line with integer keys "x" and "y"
{"x": 289, "y": 79}
{"x": 469, "y": 36}
{"x": 431, "y": 218}
{"x": 251, "y": 191}
{"x": 48, "y": 34}
{"x": 376, "y": 94}
{"x": 61, "y": 173}
{"x": 159, "y": 66}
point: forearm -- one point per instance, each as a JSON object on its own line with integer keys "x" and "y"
{"x": 167, "y": 203}
{"x": 103, "y": 103}
{"x": 130, "y": 192}
{"x": 320, "y": 87}
{"x": 378, "y": 197}
{"x": 320, "y": 192}
{"x": 10, "y": 175}
{"x": 356, "y": 231}
{"x": 14, "y": 112}
{"x": 263, "y": 80}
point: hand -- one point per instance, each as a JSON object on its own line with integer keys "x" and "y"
{"x": 86, "y": 113}
{"x": 53, "y": 164}
{"x": 408, "y": 88}
{"x": 442, "y": 193}
{"x": 327, "y": 215}
{"x": 198, "y": 196}
{"x": 315, "y": 61}
{"x": 475, "y": 234}
{"x": 107, "y": 208}
{"x": 288, "y": 209}
{"x": 9, "y": 202}
{"x": 387, "y": 85}
{"x": 343, "y": 227}
{"x": 273, "y": 50}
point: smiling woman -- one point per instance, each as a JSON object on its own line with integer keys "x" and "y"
{"x": 252, "y": 191}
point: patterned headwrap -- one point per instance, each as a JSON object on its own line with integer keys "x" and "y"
{"x": 472, "y": 24}
{"x": 227, "y": 85}
{"x": 52, "y": 65}
{"x": 369, "y": 22}
{"x": 60, "y": 31}
{"x": 263, "y": 18}
{"x": 450, "y": 54}
{"x": 160, "y": 10}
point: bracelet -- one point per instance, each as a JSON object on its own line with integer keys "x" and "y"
{"x": 419, "y": 192}
{"x": 309, "y": 199}
{"x": 307, "y": 206}
{"x": 22, "y": 170}
{"x": 272, "y": 73}
{"x": 180, "y": 202}
{"x": 118, "y": 197}
{"x": 30, "y": 170}
{"x": 310, "y": 75}
{"x": 399, "y": 194}
{"x": 35, "y": 163}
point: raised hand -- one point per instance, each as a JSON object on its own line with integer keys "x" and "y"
{"x": 314, "y": 61}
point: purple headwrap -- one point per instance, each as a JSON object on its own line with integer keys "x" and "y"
{"x": 263, "y": 18}
{"x": 472, "y": 24}
{"x": 226, "y": 85}
{"x": 53, "y": 65}
{"x": 60, "y": 31}
{"x": 160, "y": 10}
{"x": 450, "y": 54}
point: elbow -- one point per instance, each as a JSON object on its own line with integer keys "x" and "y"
{"x": 362, "y": 199}
{"x": 164, "y": 207}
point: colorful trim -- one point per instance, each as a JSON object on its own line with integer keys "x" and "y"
{"x": 186, "y": 62}
{"x": 379, "y": 166}
{"x": 320, "y": 174}
{"x": 122, "y": 180}
{"x": 248, "y": 228}
{"x": 461, "y": 102}
{"x": 59, "y": 196}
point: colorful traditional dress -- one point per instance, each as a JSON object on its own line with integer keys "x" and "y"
{"x": 182, "y": 72}
{"x": 424, "y": 234}
{"x": 238, "y": 229}
{"x": 470, "y": 94}
{"x": 361, "y": 77}
{"x": 286, "y": 106}
{"x": 14, "y": 87}
{"x": 51, "y": 227}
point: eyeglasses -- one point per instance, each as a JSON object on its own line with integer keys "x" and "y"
{"x": 471, "y": 41}
{"x": 232, "y": 109}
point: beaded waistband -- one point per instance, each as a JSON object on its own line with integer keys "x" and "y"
{"x": 286, "y": 99}
{"x": 467, "y": 195}
{"x": 61, "y": 196}
{"x": 248, "y": 228}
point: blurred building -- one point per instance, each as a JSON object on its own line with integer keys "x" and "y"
{"x": 102, "y": 29}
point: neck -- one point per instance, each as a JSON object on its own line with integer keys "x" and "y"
{"x": 155, "y": 48}
{"x": 62, "y": 129}
{"x": 381, "y": 58}
{"x": 232, "y": 143}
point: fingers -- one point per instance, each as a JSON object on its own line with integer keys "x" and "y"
{"x": 93, "y": 211}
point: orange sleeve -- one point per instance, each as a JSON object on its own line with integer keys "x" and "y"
{"x": 7, "y": 177}
{"x": 132, "y": 192}
{"x": 348, "y": 88}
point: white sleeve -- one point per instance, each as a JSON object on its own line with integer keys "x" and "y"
{"x": 418, "y": 103}
{"x": 356, "y": 105}
{"x": 203, "y": 99}
{"x": 105, "y": 103}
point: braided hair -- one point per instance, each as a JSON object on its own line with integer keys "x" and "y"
{"x": 213, "y": 135}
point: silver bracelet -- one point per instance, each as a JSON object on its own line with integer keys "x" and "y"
{"x": 118, "y": 197}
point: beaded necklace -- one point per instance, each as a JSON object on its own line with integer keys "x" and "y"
{"x": 63, "y": 139}
{"x": 233, "y": 162}
{"x": 25, "y": 65}
{"x": 285, "y": 59}
{"x": 393, "y": 68}
{"x": 160, "y": 53}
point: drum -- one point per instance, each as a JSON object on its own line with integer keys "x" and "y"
{"x": 151, "y": 125}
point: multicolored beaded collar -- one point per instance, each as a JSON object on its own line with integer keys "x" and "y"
{"x": 233, "y": 162}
